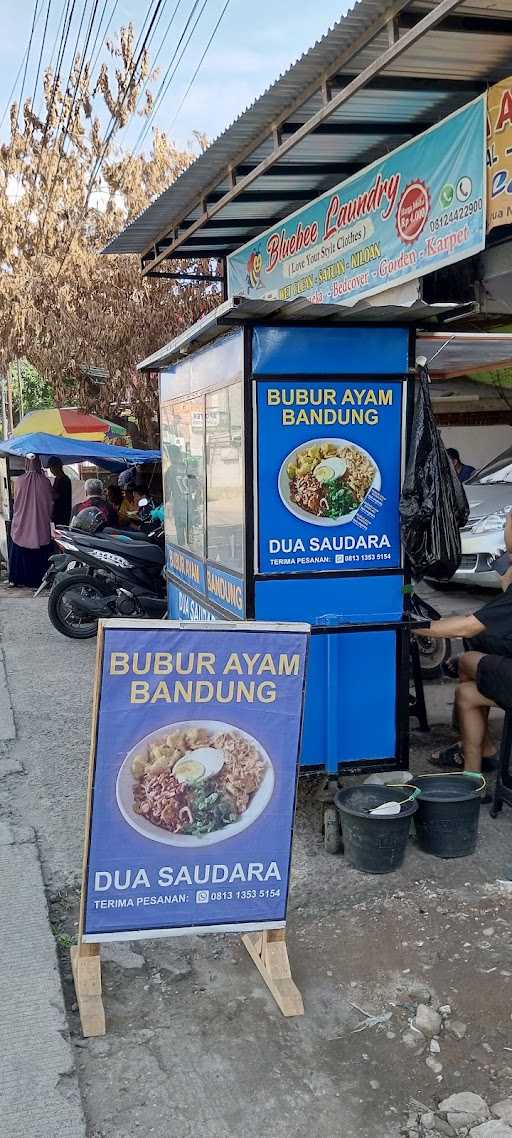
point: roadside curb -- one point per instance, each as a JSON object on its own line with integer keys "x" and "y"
{"x": 7, "y": 725}
{"x": 40, "y": 1094}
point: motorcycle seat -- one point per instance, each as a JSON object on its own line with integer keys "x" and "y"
{"x": 135, "y": 550}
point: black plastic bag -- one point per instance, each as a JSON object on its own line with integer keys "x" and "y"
{"x": 433, "y": 505}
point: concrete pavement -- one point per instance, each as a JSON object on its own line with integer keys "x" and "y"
{"x": 39, "y": 1094}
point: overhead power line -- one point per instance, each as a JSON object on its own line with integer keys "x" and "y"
{"x": 103, "y": 34}
{"x": 27, "y": 57}
{"x": 73, "y": 100}
{"x": 41, "y": 51}
{"x": 66, "y": 24}
{"x": 200, "y": 64}
{"x": 171, "y": 70}
{"x": 109, "y": 134}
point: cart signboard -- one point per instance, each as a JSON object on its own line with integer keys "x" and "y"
{"x": 420, "y": 208}
{"x": 193, "y": 778}
{"x": 329, "y": 471}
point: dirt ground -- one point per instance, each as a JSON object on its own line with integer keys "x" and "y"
{"x": 195, "y": 1046}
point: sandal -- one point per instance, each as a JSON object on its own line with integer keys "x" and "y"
{"x": 452, "y": 758}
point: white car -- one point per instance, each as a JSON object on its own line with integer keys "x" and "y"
{"x": 489, "y": 494}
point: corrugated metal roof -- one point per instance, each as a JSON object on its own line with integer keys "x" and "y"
{"x": 439, "y": 72}
{"x": 240, "y": 310}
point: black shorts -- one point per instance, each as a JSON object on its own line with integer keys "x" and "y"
{"x": 494, "y": 680}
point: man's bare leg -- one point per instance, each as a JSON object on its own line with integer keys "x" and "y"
{"x": 468, "y": 665}
{"x": 473, "y": 711}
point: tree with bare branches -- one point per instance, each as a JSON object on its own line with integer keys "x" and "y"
{"x": 66, "y": 187}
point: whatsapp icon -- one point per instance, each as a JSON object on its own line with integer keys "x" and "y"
{"x": 447, "y": 195}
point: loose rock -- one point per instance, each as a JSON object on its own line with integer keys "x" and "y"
{"x": 428, "y": 1120}
{"x": 457, "y": 1028}
{"x": 442, "y": 1127}
{"x": 494, "y": 1129}
{"x": 503, "y": 1110}
{"x": 434, "y": 1064}
{"x": 427, "y": 1021}
{"x": 445, "y": 1011}
{"x": 122, "y": 955}
{"x": 419, "y": 994}
{"x": 434, "y": 1047}
{"x": 464, "y": 1109}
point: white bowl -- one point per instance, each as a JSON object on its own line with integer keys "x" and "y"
{"x": 304, "y": 515}
{"x": 126, "y": 784}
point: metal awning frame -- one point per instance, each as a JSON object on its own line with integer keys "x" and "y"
{"x": 172, "y": 243}
{"x": 239, "y": 310}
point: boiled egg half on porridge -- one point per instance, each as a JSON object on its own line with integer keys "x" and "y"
{"x": 202, "y": 763}
{"x": 330, "y": 468}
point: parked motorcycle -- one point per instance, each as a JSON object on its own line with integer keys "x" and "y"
{"x": 433, "y": 653}
{"x": 58, "y": 564}
{"x": 118, "y": 575}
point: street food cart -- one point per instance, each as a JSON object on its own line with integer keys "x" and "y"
{"x": 283, "y": 448}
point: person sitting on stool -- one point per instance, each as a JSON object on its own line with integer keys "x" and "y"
{"x": 487, "y": 636}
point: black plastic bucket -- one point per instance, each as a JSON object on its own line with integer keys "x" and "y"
{"x": 446, "y": 823}
{"x": 374, "y": 843}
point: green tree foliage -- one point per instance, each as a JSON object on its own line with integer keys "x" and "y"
{"x": 29, "y": 390}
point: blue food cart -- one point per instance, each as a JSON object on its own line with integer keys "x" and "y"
{"x": 283, "y": 447}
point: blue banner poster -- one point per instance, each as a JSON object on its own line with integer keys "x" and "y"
{"x": 420, "y": 208}
{"x": 193, "y": 779}
{"x": 329, "y": 459}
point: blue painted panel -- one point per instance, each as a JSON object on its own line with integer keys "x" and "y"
{"x": 346, "y": 719}
{"x": 351, "y": 693}
{"x": 330, "y": 351}
{"x": 371, "y": 599}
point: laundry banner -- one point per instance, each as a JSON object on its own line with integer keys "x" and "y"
{"x": 193, "y": 778}
{"x": 499, "y": 154}
{"x": 418, "y": 209}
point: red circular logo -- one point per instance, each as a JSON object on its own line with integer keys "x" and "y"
{"x": 413, "y": 210}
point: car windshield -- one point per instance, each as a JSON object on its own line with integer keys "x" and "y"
{"x": 499, "y": 470}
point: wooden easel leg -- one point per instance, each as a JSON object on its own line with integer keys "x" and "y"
{"x": 270, "y": 955}
{"x": 86, "y": 965}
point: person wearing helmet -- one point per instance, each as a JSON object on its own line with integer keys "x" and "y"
{"x": 95, "y": 496}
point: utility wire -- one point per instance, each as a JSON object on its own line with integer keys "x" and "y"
{"x": 58, "y": 31}
{"x": 164, "y": 37}
{"x": 15, "y": 84}
{"x": 73, "y": 101}
{"x": 100, "y": 158}
{"x": 66, "y": 22}
{"x": 27, "y": 57}
{"x": 41, "y": 50}
{"x": 104, "y": 34}
{"x": 200, "y": 64}
{"x": 171, "y": 70}
{"x": 67, "y": 87}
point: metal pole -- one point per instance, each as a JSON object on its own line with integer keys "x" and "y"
{"x": 10, "y": 423}
{"x": 20, "y": 390}
{"x": 4, "y": 412}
